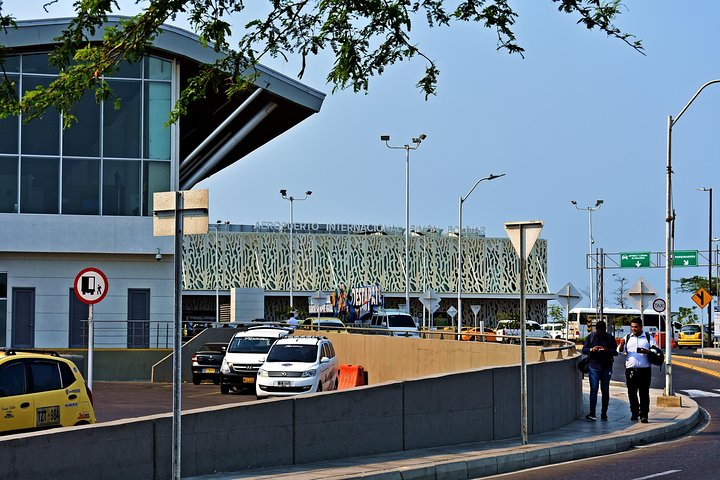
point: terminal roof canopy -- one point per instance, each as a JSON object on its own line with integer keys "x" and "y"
{"x": 275, "y": 105}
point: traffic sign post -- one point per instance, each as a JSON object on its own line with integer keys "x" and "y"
{"x": 702, "y": 298}
{"x": 568, "y": 297}
{"x": 90, "y": 287}
{"x": 476, "y": 309}
{"x": 431, "y": 302}
{"x": 659, "y": 305}
{"x": 634, "y": 259}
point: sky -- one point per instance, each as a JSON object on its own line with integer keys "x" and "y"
{"x": 582, "y": 117}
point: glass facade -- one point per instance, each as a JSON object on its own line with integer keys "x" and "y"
{"x": 109, "y": 163}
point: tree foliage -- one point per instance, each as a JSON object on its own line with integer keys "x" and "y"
{"x": 364, "y": 36}
{"x": 693, "y": 284}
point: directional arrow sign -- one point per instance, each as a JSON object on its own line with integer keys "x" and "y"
{"x": 685, "y": 258}
{"x": 702, "y": 298}
{"x": 634, "y": 259}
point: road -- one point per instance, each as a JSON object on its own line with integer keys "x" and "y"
{"x": 116, "y": 400}
{"x": 694, "y": 457}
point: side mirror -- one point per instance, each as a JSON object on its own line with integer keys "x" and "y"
{"x": 324, "y": 360}
{"x": 384, "y": 324}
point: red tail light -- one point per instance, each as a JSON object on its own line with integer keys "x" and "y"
{"x": 89, "y": 394}
{"x": 193, "y": 358}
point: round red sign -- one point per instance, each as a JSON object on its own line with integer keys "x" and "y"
{"x": 91, "y": 285}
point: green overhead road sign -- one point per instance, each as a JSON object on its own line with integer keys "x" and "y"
{"x": 685, "y": 258}
{"x": 634, "y": 259}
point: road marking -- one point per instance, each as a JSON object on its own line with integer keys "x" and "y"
{"x": 699, "y": 369}
{"x": 697, "y": 359}
{"x": 654, "y": 475}
{"x": 699, "y": 393}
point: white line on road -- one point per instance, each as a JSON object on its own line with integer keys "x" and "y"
{"x": 657, "y": 474}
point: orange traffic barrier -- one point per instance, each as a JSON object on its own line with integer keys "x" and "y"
{"x": 351, "y": 376}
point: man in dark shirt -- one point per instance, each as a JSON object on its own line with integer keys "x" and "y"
{"x": 601, "y": 348}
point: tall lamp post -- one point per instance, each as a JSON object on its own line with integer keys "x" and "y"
{"x": 407, "y": 147}
{"x": 217, "y": 270}
{"x": 292, "y": 199}
{"x": 591, "y": 240}
{"x": 669, "y": 228}
{"x": 709, "y": 307}
{"x": 461, "y": 200}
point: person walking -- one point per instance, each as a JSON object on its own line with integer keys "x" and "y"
{"x": 600, "y": 347}
{"x": 636, "y": 346}
{"x": 292, "y": 321}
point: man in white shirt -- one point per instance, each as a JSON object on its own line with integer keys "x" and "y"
{"x": 637, "y": 369}
{"x": 292, "y": 321}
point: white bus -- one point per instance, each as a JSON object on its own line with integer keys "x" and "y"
{"x": 580, "y": 318}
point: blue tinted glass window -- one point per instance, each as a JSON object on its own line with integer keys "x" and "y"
{"x": 158, "y": 69}
{"x": 121, "y": 187}
{"x": 81, "y": 186}
{"x": 83, "y": 138}
{"x": 9, "y": 126}
{"x": 121, "y": 128}
{"x": 38, "y": 63}
{"x": 40, "y": 136}
{"x": 156, "y": 178}
{"x": 128, "y": 70}
{"x": 11, "y": 63}
{"x": 157, "y": 113}
{"x": 39, "y": 185}
{"x": 8, "y": 184}
{"x": 13, "y": 380}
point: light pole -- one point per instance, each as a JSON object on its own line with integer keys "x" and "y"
{"x": 709, "y": 306}
{"x": 292, "y": 199}
{"x": 591, "y": 240}
{"x": 217, "y": 271}
{"x": 461, "y": 200}
{"x": 669, "y": 228}
{"x": 407, "y": 147}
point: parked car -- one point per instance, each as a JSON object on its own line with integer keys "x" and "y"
{"x": 206, "y": 362}
{"x": 245, "y": 353}
{"x": 473, "y": 334}
{"x": 556, "y": 330}
{"x": 394, "y": 322}
{"x": 511, "y": 328}
{"x": 327, "y": 324}
{"x": 298, "y": 365}
{"x": 690, "y": 336}
{"x": 39, "y": 389}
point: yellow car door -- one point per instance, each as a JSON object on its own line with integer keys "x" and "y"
{"x": 17, "y": 408}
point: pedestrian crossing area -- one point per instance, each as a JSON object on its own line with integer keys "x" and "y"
{"x": 701, "y": 393}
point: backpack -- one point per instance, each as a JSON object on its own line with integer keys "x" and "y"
{"x": 656, "y": 356}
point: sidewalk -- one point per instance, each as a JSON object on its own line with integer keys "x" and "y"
{"x": 580, "y": 439}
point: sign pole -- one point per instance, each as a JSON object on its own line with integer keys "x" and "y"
{"x": 523, "y": 356}
{"x": 177, "y": 340}
{"x": 91, "y": 346}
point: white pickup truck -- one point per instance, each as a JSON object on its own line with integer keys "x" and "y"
{"x": 511, "y": 328}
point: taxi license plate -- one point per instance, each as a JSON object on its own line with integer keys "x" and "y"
{"x": 248, "y": 380}
{"x": 48, "y": 416}
{"x": 282, "y": 383}
{"x": 208, "y": 370}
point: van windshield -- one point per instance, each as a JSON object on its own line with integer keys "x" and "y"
{"x": 250, "y": 345}
{"x": 402, "y": 321}
{"x": 293, "y": 353}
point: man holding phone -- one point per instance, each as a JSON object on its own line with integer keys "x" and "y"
{"x": 600, "y": 347}
{"x": 637, "y": 369}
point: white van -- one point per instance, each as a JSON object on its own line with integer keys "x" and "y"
{"x": 245, "y": 353}
{"x": 556, "y": 330}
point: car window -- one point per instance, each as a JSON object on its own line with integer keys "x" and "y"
{"x": 332, "y": 350}
{"x": 324, "y": 351}
{"x": 293, "y": 353}
{"x": 690, "y": 329}
{"x": 45, "y": 376}
{"x": 12, "y": 379}
{"x": 400, "y": 321}
{"x": 66, "y": 375}
{"x": 250, "y": 345}
{"x": 212, "y": 347}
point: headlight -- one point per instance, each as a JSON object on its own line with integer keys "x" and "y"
{"x": 225, "y": 367}
{"x": 309, "y": 373}
{"x": 262, "y": 373}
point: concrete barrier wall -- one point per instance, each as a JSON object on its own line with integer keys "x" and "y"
{"x": 455, "y": 408}
{"x": 117, "y": 364}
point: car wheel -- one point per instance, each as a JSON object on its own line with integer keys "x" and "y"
{"x": 319, "y": 389}
{"x": 224, "y": 389}
{"x": 196, "y": 379}
{"x": 260, "y": 397}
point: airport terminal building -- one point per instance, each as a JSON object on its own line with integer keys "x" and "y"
{"x": 83, "y": 197}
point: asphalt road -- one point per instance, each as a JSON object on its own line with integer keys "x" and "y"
{"x": 117, "y": 400}
{"x": 693, "y": 457}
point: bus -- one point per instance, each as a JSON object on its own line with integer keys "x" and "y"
{"x": 581, "y": 321}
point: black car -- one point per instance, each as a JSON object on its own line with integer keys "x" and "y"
{"x": 206, "y": 362}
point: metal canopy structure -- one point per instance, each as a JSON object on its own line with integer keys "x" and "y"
{"x": 218, "y": 131}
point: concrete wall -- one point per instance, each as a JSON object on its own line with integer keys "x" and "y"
{"x": 247, "y": 304}
{"x": 117, "y": 365}
{"x": 455, "y": 408}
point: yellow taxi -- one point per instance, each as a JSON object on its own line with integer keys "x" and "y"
{"x": 39, "y": 389}
{"x": 325, "y": 324}
{"x": 690, "y": 336}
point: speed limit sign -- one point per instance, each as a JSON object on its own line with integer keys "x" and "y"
{"x": 659, "y": 305}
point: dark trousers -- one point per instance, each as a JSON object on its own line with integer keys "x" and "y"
{"x": 599, "y": 379}
{"x": 638, "y": 386}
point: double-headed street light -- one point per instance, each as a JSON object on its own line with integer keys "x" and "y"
{"x": 292, "y": 199}
{"x": 407, "y": 147}
{"x": 461, "y": 200}
{"x": 591, "y": 240}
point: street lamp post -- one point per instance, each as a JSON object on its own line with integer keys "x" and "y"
{"x": 407, "y": 147}
{"x": 669, "y": 227}
{"x": 217, "y": 271}
{"x": 292, "y": 199}
{"x": 591, "y": 240}
{"x": 461, "y": 200}
{"x": 709, "y": 306}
